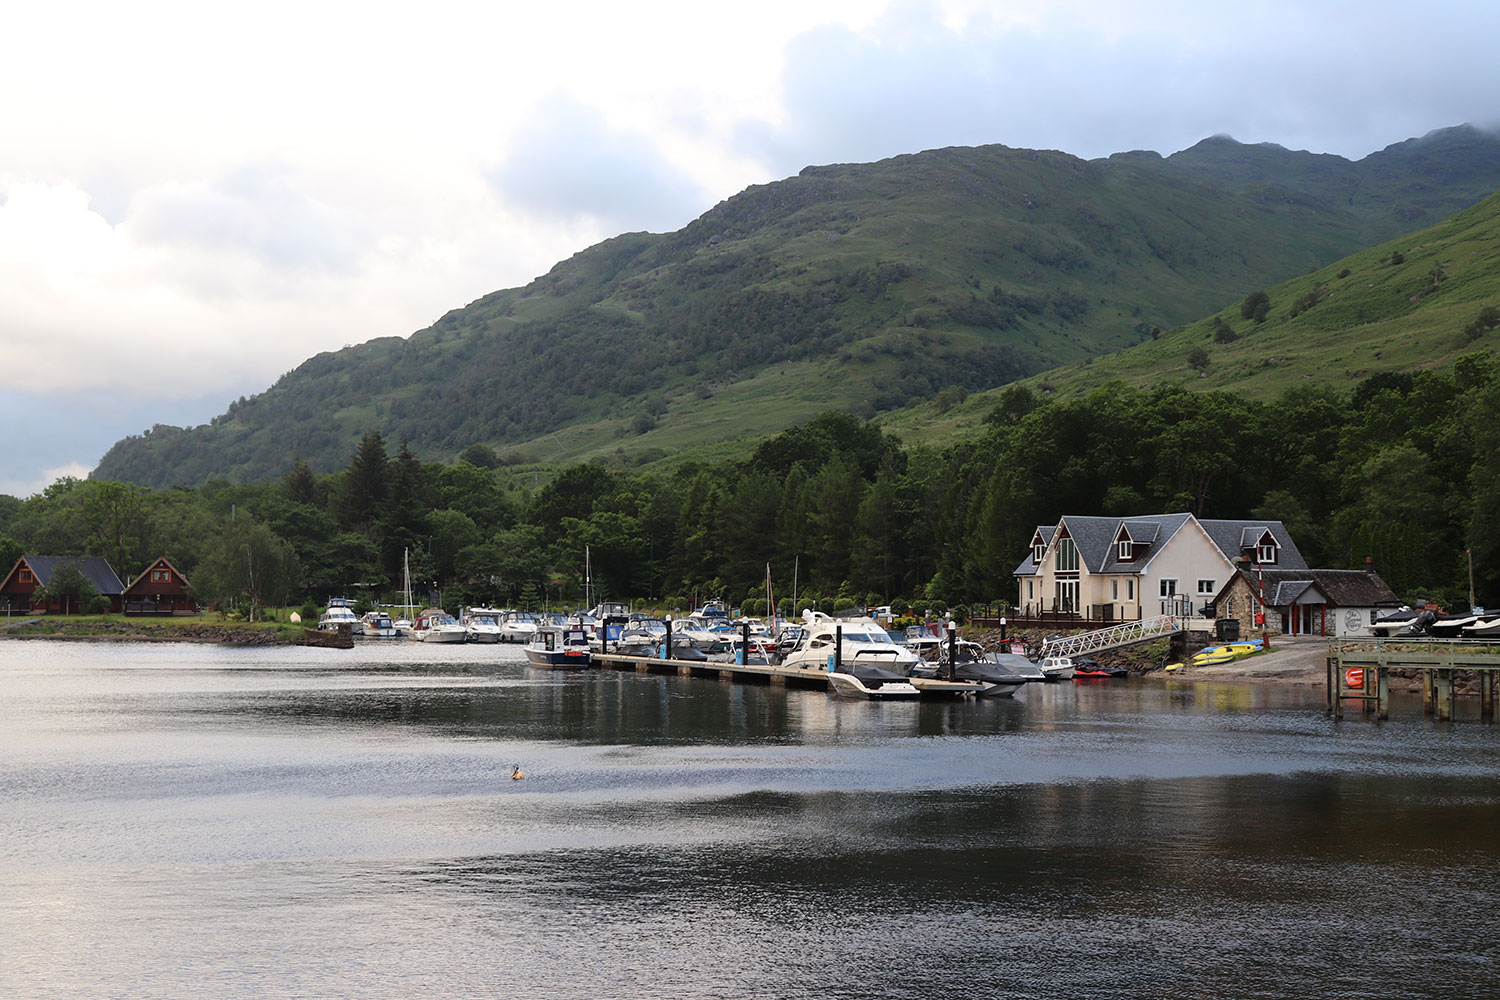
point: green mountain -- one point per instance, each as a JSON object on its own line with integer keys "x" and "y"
{"x": 864, "y": 287}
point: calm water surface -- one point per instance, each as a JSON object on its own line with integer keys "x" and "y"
{"x": 188, "y": 820}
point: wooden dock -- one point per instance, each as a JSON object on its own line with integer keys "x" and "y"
{"x": 1359, "y": 671}
{"x": 760, "y": 673}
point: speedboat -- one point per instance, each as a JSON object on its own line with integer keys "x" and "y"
{"x": 995, "y": 679}
{"x": 1450, "y": 626}
{"x": 517, "y": 626}
{"x": 340, "y": 613}
{"x": 1056, "y": 668}
{"x": 437, "y": 625}
{"x": 923, "y": 639}
{"x": 558, "y": 648}
{"x": 1017, "y": 665}
{"x": 866, "y": 680}
{"x": 482, "y": 624}
{"x": 1484, "y": 629}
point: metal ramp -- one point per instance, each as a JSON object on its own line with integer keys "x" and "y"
{"x": 1113, "y": 637}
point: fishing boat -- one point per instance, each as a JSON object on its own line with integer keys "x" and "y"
{"x": 1056, "y": 668}
{"x": 559, "y": 648}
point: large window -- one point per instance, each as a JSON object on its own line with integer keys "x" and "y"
{"x": 1065, "y": 595}
{"x": 1067, "y": 556}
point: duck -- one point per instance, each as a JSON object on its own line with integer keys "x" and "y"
{"x": 516, "y": 773}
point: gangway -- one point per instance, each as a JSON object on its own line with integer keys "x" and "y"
{"x": 1113, "y": 637}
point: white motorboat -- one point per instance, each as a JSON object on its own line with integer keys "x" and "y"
{"x": 518, "y": 626}
{"x": 1484, "y": 629}
{"x": 1056, "y": 668}
{"x": 482, "y": 624}
{"x": 853, "y": 640}
{"x": 339, "y": 617}
{"x": 378, "y": 625}
{"x": 437, "y": 625}
{"x": 864, "y": 680}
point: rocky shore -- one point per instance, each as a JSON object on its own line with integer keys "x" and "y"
{"x": 146, "y": 631}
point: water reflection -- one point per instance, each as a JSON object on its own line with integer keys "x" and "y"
{"x": 190, "y": 820}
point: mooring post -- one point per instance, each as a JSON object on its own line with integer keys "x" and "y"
{"x": 1444, "y": 695}
{"x": 1486, "y": 696}
{"x": 666, "y": 647}
{"x": 743, "y": 657}
{"x": 838, "y": 647}
{"x": 1330, "y": 691}
{"x": 1382, "y": 693}
{"x": 1429, "y": 689}
{"x": 952, "y": 649}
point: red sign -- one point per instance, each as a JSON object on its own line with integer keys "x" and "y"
{"x": 1260, "y": 619}
{"x": 1354, "y": 678}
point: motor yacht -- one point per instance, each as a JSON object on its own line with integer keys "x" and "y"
{"x": 482, "y": 624}
{"x": 339, "y": 614}
{"x": 518, "y": 626}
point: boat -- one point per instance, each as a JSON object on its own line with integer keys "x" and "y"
{"x": 1484, "y": 629}
{"x": 378, "y": 625}
{"x": 1450, "y": 626}
{"x": 340, "y": 617}
{"x": 518, "y": 626}
{"x": 437, "y": 625}
{"x": 1056, "y": 668}
{"x": 482, "y": 624}
{"x": 923, "y": 639}
{"x": 857, "y": 641}
{"x": 1085, "y": 669}
{"x": 994, "y": 679}
{"x": 866, "y": 680}
{"x": 559, "y": 648}
{"x": 1018, "y": 665}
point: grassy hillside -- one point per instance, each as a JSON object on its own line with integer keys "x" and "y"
{"x": 1411, "y": 303}
{"x": 867, "y": 288}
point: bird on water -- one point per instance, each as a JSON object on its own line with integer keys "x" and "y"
{"x": 515, "y": 772}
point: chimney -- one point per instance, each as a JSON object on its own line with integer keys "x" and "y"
{"x": 1369, "y": 564}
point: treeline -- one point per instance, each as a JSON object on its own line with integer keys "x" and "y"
{"x": 1405, "y": 469}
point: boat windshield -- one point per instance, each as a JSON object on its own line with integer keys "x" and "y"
{"x": 870, "y": 637}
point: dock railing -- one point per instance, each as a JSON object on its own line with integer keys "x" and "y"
{"x": 1113, "y": 637}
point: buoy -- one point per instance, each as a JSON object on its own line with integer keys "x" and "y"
{"x": 515, "y": 773}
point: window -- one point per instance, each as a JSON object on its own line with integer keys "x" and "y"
{"x": 1205, "y": 586}
{"x": 1266, "y": 553}
{"x": 1168, "y": 587}
{"x": 1031, "y": 590}
{"x": 1067, "y": 556}
{"x": 1114, "y": 588}
{"x": 1125, "y": 548}
{"x": 1130, "y": 589}
{"x": 25, "y": 575}
{"x": 1373, "y": 613}
{"x": 161, "y": 576}
{"x": 1038, "y": 553}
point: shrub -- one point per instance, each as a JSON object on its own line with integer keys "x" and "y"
{"x": 1198, "y": 359}
{"x": 1255, "y": 306}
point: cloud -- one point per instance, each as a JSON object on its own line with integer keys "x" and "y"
{"x": 568, "y": 163}
{"x": 1092, "y": 79}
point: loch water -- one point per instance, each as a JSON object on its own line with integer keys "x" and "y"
{"x": 185, "y": 820}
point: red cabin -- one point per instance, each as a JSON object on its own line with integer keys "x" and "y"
{"x": 160, "y": 590}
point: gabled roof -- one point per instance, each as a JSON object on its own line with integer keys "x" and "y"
{"x": 161, "y": 561}
{"x": 1234, "y": 537}
{"x": 1028, "y": 565}
{"x": 1097, "y": 540}
{"x": 1343, "y": 588}
{"x": 96, "y": 568}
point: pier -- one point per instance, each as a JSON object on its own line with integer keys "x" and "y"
{"x": 762, "y": 673}
{"x": 1359, "y": 671}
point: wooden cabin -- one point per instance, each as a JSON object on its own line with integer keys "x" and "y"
{"x": 160, "y": 590}
{"x": 32, "y": 572}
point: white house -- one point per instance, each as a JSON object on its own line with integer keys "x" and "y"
{"x": 1123, "y": 568}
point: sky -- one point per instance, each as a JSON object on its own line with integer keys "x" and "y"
{"x": 195, "y": 198}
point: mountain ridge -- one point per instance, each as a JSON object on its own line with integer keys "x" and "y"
{"x": 863, "y": 287}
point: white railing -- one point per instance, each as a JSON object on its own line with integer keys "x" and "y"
{"x": 1113, "y": 637}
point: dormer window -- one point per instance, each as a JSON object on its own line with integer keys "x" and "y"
{"x": 1125, "y": 550}
{"x": 1038, "y": 551}
{"x": 1266, "y": 551}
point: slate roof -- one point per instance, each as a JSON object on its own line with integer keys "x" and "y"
{"x": 1344, "y": 588}
{"x": 1028, "y": 565}
{"x": 96, "y": 568}
{"x": 1095, "y": 538}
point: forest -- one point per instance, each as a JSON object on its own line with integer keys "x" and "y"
{"x": 1404, "y": 469}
